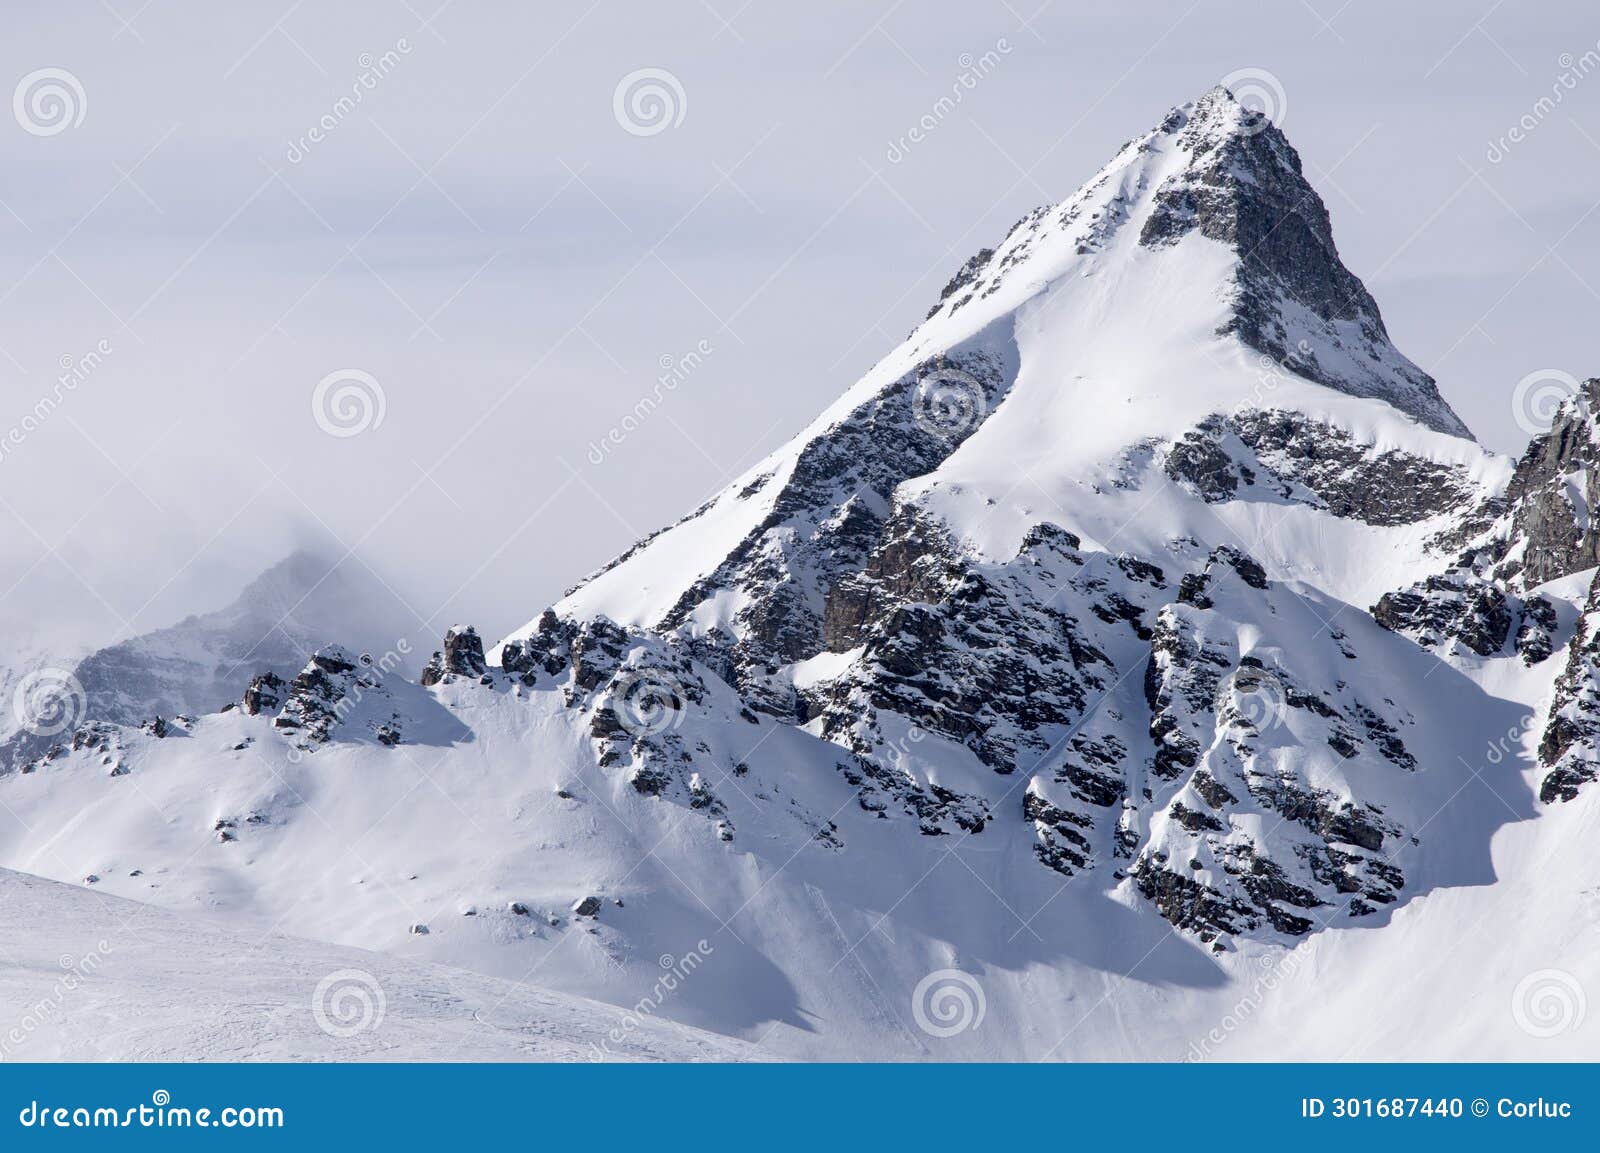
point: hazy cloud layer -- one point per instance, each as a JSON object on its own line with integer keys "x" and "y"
{"x": 557, "y": 311}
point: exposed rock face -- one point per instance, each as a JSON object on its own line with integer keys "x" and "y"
{"x": 462, "y": 656}
{"x": 637, "y": 691}
{"x": 965, "y": 278}
{"x": 981, "y": 654}
{"x": 1455, "y": 605}
{"x": 336, "y": 686}
{"x": 1552, "y": 495}
{"x": 1536, "y": 631}
{"x": 1063, "y": 843}
{"x": 264, "y": 694}
{"x": 1540, "y": 529}
{"x": 1285, "y": 455}
{"x": 1219, "y": 720}
{"x": 1351, "y": 479}
{"x": 1570, "y": 745}
{"x": 547, "y": 650}
{"x": 1293, "y": 292}
{"x": 830, "y": 513}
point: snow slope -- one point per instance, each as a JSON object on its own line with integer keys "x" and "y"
{"x": 808, "y": 950}
{"x": 87, "y": 977}
{"x": 1115, "y": 342}
{"x": 1140, "y": 662}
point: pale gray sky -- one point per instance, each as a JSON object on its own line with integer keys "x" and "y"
{"x": 483, "y": 237}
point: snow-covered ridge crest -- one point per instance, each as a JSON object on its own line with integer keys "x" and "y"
{"x": 1130, "y": 313}
{"x": 1155, "y": 380}
{"x": 205, "y": 660}
{"x": 1217, "y": 168}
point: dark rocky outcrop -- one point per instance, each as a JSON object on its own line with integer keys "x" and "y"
{"x": 264, "y": 694}
{"x": 1569, "y": 747}
{"x": 976, "y": 653}
{"x": 1535, "y": 640}
{"x": 1279, "y": 454}
{"x": 462, "y": 656}
{"x": 827, "y": 519}
{"x": 334, "y": 688}
{"x": 1455, "y": 605}
{"x": 1245, "y": 188}
{"x": 1552, "y": 496}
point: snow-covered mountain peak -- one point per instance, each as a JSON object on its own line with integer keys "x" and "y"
{"x": 302, "y": 602}
{"x": 1193, "y": 280}
{"x": 1271, "y": 277}
{"x": 1068, "y": 549}
{"x": 1145, "y": 587}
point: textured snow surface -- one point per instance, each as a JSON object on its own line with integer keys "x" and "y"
{"x": 810, "y": 950}
{"x": 89, "y": 977}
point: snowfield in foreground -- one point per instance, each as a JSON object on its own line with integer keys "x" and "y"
{"x": 89, "y": 977}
